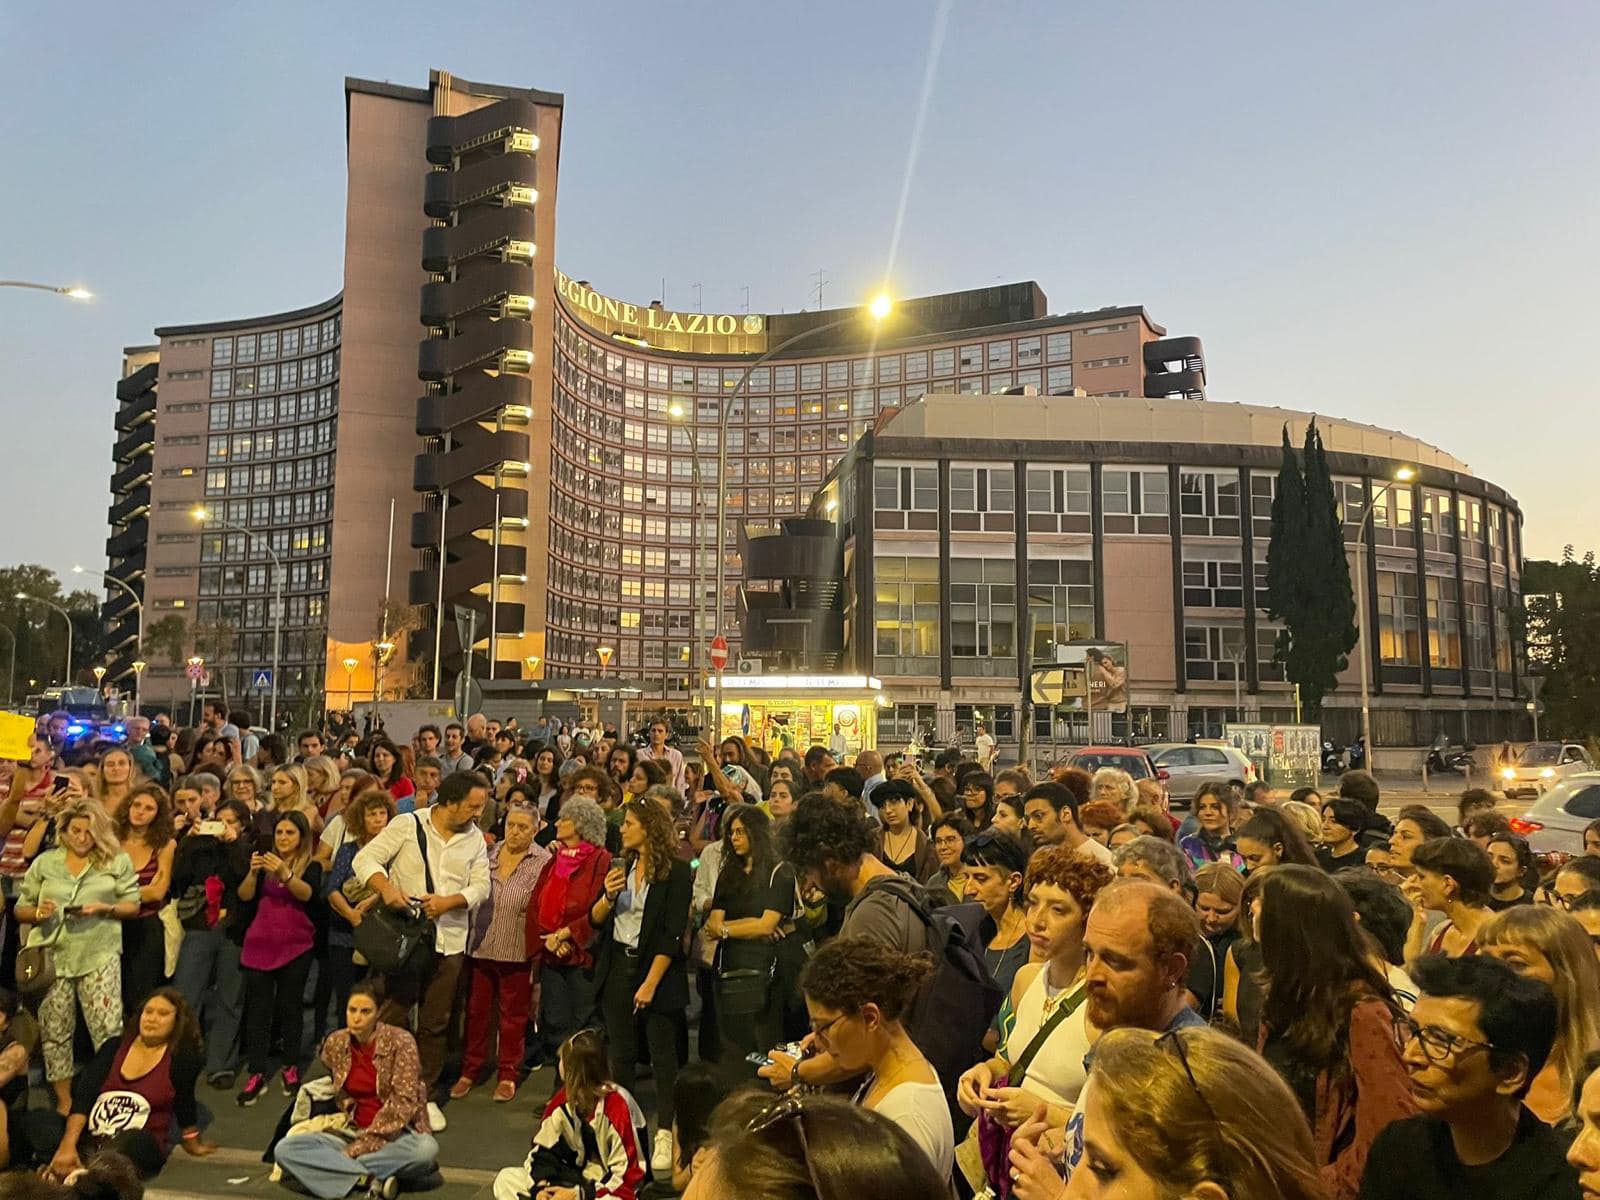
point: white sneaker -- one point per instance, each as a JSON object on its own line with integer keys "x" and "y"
{"x": 661, "y": 1155}
{"x": 436, "y": 1117}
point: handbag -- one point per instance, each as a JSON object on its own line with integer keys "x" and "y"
{"x": 742, "y": 992}
{"x": 994, "y": 1139}
{"x": 36, "y": 962}
{"x": 400, "y": 941}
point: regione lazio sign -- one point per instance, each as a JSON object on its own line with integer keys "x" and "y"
{"x": 662, "y": 327}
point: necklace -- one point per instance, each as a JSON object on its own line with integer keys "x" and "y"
{"x": 908, "y": 837}
{"x": 1053, "y": 996}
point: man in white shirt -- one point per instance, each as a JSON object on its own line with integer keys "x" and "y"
{"x": 1051, "y": 813}
{"x": 458, "y": 861}
{"x": 983, "y": 745}
{"x": 659, "y": 751}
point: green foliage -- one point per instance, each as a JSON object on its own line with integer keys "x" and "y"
{"x": 1308, "y": 575}
{"x": 169, "y": 637}
{"x": 41, "y": 634}
{"x": 1562, "y": 621}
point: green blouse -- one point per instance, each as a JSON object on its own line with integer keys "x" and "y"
{"x": 84, "y": 944}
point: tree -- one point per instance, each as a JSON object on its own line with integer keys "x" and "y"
{"x": 170, "y": 635}
{"x": 1561, "y": 617}
{"x": 41, "y": 634}
{"x": 1308, "y": 575}
{"x": 218, "y": 642}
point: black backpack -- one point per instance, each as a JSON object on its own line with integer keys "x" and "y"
{"x": 958, "y": 1003}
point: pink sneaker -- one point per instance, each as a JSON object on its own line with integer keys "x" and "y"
{"x": 291, "y": 1081}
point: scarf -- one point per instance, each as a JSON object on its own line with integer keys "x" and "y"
{"x": 568, "y": 862}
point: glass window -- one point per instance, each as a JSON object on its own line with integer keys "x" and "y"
{"x": 999, "y": 355}
{"x": 1399, "y": 619}
{"x": 944, "y": 362}
{"x": 1058, "y": 347}
{"x": 971, "y": 358}
{"x": 221, "y": 351}
{"x": 983, "y": 608}
{"x": 1061, "y": 601}
{"x": 1213, "y": 651}
{"x": 221, "y": 383}
{"x": 245, "y": 348}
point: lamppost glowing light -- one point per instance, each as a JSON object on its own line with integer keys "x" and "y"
{"x": 79, "y": 293}
{"x": 604, "y": 653}
{"x": 73, "y": 292}
{"x": 675, "y": 411}
{"x": 880, "y": 306}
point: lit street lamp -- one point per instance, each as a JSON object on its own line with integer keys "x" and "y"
{"x": 65, "y": 616}
{"x": 196, "y": 665}
{"x": 204, "y": 515}
{"x": 603, "y": 653}
{"x": 138, "y": 606}
{"x": 533, "y": 661}
{"x": 878, "y": 309}
{"x": 349, "y": 685}
{"x": 1401, "y": 475}
{"x": 72, "y": 293}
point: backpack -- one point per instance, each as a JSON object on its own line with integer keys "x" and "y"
{"x": 955, "y": 1007}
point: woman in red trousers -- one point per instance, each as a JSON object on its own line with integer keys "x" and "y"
{"x": 497, "y": 956}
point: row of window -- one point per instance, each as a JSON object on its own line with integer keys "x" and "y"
{"x": 269, "y": 444}
{"x": 277, "y": 343}
{"x": 296, "y": 643}
{"x": 301, "y": 541}
{"x": 247, "y": 381}
{"x": 284, "y": 410}
{"x": 1415, "y": 619}
{"x": 268, "y": 477}
{"x": 256, "y": 579}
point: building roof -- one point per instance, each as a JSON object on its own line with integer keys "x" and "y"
{"x": 283, "y": 318}
{"x": 1102, "y": 419}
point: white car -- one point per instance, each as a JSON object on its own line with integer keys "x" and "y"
{"x": 1191, "y": 765}
{"x": 1558, "y": 818}
{"x": 1541, "y": 765}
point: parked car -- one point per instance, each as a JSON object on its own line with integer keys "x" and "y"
{"x": 1541, "y": 765}
{"x": 1189, "y": 765}
{"x": 1135, "y": 760}
{"x": 1557, "y": 819}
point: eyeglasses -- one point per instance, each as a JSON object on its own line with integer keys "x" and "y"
{"x": 1564, "y": 900}
{"x": 1173, "y": 1040}
{"x": 822, "y": 1032}
{"x": 1438, "y": 1045}
{"x": 787, "y": 1108}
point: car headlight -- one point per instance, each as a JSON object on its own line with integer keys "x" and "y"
{"x": 1547, "y": 773}
{"x": 1508, "y": 773}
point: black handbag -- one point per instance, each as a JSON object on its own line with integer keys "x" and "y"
{"x": 742, "y": 992}
{"x": 399, "y": 941}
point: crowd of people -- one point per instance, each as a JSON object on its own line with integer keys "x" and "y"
{"x": 782, "y": 974}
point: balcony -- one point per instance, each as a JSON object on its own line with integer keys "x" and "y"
{"x": 471, "y": 507}
{"x": 478, "y": 454}
{"x": 485, "y": 346}
{"x": 494, "y": 124}
{"x": 142, "y": 380}
{"x": 491, "y": 288}
{"x": 1175, "y": 367}
{"x": 138, "y": 471}
{"x": 130, "y": 506}
{"x": 469, "y": 562}
{"x": 487, "y": 234}
{"x": 137, "y": 411}
{"x": 508, "y": 179}
{"x": 122, "y": 544}
{"x": 479, "y": 398}
{"x": 139, "y": 440}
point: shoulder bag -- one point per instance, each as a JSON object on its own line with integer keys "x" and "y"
{"x": 36, "y": 962}
{"x": 400, "y": 941}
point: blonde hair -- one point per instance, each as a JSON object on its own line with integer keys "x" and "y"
{"x": 1219, "y": 879}
{"x": 101, "y": 830}
{"x": 321, "y": 765}
{"x": 1305, "y": 816}
{"x": 1127, "y": 794}
{"x": 1562, "y": 940}
{"x": 301, "y": 800}
{"x": 1206, "y": 1108}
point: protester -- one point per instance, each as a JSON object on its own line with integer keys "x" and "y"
{"x": 902, "y": 847}
{"x": 1158, "y": 861}
{"x": 1219, "y": 893}
{"x": 1116, "y": 785}
{"x": 1415, "y": 825}
{"x": 144, "y": 829}
{"x": 1343, "y": 821}
{"x": 1269, "y": 838}
{"x": 1512, "y": 861}
{"x": 1453, "y": 876}
{"x": 75, "y": 898}
{"x": 1477, "y": 1038}
{"x": 753, "y": 895}
{"x": 1328, "y": 1019}
{"x": 382, "y": 1095}
{"x": 558, "y": 933}
{"x": 1549, "y": 945}
{"x": 976, "y": 797}
{"x": 1385, "y": 917}
{"x": 642, "y": 916}
{"x": 1051, "y": 810}
{"x": 1216, "y": 811}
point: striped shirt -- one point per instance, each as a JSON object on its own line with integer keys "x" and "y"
{"x": 499, "y": 928}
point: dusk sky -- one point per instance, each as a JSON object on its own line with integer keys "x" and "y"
{"x": 1386, "y": 212}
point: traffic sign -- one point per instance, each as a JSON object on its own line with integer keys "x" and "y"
{"x": 468, "y": 695}
{"x": 261, "y": 679}
{"x": 719, "y": 652}
{"x": 196, "y": 670}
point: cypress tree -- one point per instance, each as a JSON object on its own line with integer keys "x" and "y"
{"x": 1286, "y": 595}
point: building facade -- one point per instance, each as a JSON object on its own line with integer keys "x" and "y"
{"x": 467, "y": 428}
{"x": 965, "y": 521}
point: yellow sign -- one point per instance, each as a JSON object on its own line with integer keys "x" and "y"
{"x": 664, "y": 328}
{"x": 15, "y": 731}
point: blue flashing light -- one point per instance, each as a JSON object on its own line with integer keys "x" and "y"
{"x": 73, "y": 730}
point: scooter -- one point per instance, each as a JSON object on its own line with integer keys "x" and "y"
{"x": 1356, "y": 756}
{"x": 1332, "y": 759}
{"x": 1444, "y": 758}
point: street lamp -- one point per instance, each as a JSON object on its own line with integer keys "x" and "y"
{"x": 533, "y": 661}
{"x": 203, "y": 515}
{"x": 349, "y": 685}
{"x": 72, "y": 293}
{"x": 878, "y": 309}
{"x": 697, "y": 515}
{"x": 196, "y": 665}
{"x": 603, "y": 653}
{"x": 1402, "y": 475}
{"x": 65, "y": 616}
{"x": 138, "y": 606}
{"x": 99, "y": 675}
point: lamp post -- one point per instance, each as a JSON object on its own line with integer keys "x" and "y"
{"x": 204, "y": 515}
{"x": 603, "y": 653}
{"x": 11, "y": 671}
{"x": 65, "y": 616}
{"x": 533, "y": 661}
{"x": 349, "y": 686}
{"x": 138, "y": 607}
{"x": 1401, "y": 475}
{"x": 72, "y": 293}
{"x": 196, "y": 664}
{"x": 878, "y": 309}
{"x": 383, "y": 650}
{"x": 697, "y": 655}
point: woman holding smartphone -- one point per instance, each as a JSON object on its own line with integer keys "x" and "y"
{"x": 276, "y": 955}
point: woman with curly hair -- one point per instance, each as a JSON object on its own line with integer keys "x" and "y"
{"x": 144, "y": 827}
{"x": 642, "y": 915}
{"x": 131, "y": 1095}
{"x": 1042, "y": 1060}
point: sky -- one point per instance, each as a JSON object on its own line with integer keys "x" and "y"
{"x": 1378, "y": 211}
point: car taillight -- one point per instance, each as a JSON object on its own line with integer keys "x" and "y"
{"x": 1524, "y": 826}
{"x": 1163, "y": 774}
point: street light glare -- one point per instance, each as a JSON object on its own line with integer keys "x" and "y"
{"x": 77, "y": 569}
{"x": 79, "y": 293}
{"x": 1405, "y": 474}
{"x": 200, "y": 514}
{"x": 674, "y": 411}
{"x": 880, "y": 306}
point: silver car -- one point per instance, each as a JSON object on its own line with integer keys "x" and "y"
{"x": 1541, "y": 765}
{"x": 1190, "y": 765}
{"x": 1557, "y": 819}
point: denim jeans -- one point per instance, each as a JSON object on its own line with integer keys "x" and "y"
{"x": 319, "y": 1162}
{"x": 211, "y": 981}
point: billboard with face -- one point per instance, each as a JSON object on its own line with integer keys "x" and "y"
{"x": 1085, "y": 674}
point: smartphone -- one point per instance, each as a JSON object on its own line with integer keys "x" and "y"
{"x": 61, "y": 784}
{"x": 209, "y": 828}
{"x": 758, "y": 1059}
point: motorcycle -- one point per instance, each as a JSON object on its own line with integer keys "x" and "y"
{"x": 1333, "y": 761}
{"x": 1356, "y": 756}
{"x": 1446, "y": 759}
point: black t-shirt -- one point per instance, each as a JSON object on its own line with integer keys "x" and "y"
{"x": 1499, "y": 905}
{"x": 1415, "y": 1159}
{"x": 741, "y": 896}
{"x": 1205, "y": 976}
{"x": 1331, "y": 862}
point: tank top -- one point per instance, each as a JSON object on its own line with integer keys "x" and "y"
{"x": 1057, "y": 1071}
{"x": 144, "y": 877}
{"x": 143, "y": 1103}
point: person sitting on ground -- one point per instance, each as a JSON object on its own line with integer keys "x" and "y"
{"x": 697, "y": 1091}
{"x": 803, "y": 1146}
{"x": 131, "y": 1096}
{"x": 591, "y": 1136}
{"x": 106, "y": 1176}
{"x": 378, "y": 1084}
{"x": 1475, "y": 1041}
